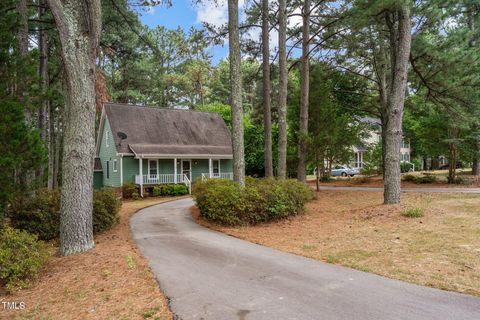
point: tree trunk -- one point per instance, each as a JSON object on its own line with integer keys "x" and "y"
{"x": 79, "y": 25}
{"x": 236, "y": 93}
{"x": 452, "y": 162}
{"x": 400, "y": 40}
{"x": 43, "y": 112}
{"x": 472, "y": 15}
{"x": 304, "y": 90}
{"x": 52, "y": 145}
{"x": 267, "y": 118}
{"x": 282, "y": 90}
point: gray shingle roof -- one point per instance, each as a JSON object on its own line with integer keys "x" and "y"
{"x": 161, "y": 131}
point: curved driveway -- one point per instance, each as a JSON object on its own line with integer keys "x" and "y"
{"x": 209, "y": 275}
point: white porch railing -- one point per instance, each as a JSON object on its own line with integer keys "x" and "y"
{"x": 159, "y": 178}
{"x": 221, "y": 175}
{"x": 147, "y": 179}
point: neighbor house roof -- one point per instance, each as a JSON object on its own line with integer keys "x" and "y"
{"x": 162, "y": 131}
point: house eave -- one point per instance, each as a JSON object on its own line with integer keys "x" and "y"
{"x": 183, "y": 156}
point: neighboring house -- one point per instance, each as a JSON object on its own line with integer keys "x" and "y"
{"x": 150, "y": 146}
{"x": 374, "y": 137}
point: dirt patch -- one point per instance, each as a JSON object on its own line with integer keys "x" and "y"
{"x": 111, "y": 281}
{"x": 352, "y": 228}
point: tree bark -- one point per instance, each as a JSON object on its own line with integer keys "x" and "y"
{"x": 304, "y": 94}
{"x": 22, "y": 32}
{"x": 79, "y": 25}
{"x": 399, "y": 24}
{"x": 282, "y": 90}
{"x": 472, "y": 15}
{"x": 267, "y": 118}
{"x": 43, "y": 112}
{"x": 236, "y": 93}
{"x": 22, "y": 41}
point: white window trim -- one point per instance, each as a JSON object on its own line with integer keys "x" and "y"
{"x": 106, "y": 139}
{"x": 148, "y": 162}
{"x": 115, "y": 169}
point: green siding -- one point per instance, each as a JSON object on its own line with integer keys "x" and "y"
{"x": 109, "y": 153}
{"x": 199, "y": 166}
{"x": 97, "y": 179}
{"x": 226, "y": 165}
{"x": 130, "y": 168}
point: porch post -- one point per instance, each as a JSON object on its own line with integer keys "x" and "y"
{"x": 121, "y": 171}
{"x": 210, "y": 167}
{"x": 175, "y": 170}
{"x": 140, "y": 169}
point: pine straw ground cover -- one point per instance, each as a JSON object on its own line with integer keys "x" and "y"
{"x": 352, "y": 228}
{"x": 111, "y": 281}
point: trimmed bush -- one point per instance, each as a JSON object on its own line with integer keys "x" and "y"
{"x": 22, "y": 257}
{"x": 128, "y": 189}
{"x": 428, "y": 178}
{"x": 169, "y": 190}
{"x": 261, "y": 200}
{"x": 106, "y": 205}
{"x": 40, "y": 215}
{"x": 326, "y": 178}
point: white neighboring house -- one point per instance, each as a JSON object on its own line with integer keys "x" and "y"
{"x": 374, "y": 137}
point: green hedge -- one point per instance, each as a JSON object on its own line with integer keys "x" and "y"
{"x": 129, "y": 189}
{"x": 261, "y": 200}
{"x": 106, "y": 205}
{"x": 424, "y": 179}
{"x": 22, "y": 257}
{"x": 40, "y": 215}
{"x": 169, "y": 190}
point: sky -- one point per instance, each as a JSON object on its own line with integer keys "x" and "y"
{"x": 184, "y": 14}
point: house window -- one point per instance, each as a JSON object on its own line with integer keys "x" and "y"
{"x": 106, "y": 139}
{"x": 108, "y": 169}
{"x": 115, "y": 165}
{"x": 216, "y": 167}
{"x": 405, "y": 144}
{"x": 152, "y": 167}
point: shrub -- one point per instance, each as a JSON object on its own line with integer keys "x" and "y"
{"x": 362, "y": 179}
{"x": 106, "y": 205}
{"x": 413, "y": 212}
{"x": 409, "y": 177}
{"x": 136, "y": 196}
{"x": 39, "y": 215}
{"x": 128, "y": 189}
{"x": 21, "y": 257}
{"x": 406, "y": 166}
{"x": 429, "y": 178}
{"x": 261, "y": 200}
{"x": 169, "y": 190}
{"x": 326, "y": 178}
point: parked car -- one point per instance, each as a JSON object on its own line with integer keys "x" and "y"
{"x": 342, "y": 170}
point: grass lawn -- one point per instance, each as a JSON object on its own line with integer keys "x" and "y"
{"x": 439, "y": 249}
{"x": 111, "y": 281}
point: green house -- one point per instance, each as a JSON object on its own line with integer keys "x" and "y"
{"x": 150, "y": 146}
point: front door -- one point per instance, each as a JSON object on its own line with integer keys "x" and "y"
{"x": 187, "y": 168}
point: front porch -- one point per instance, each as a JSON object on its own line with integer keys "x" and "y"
{"x": 155, "y": 171}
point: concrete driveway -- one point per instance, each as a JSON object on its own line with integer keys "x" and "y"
{"x": 208, "y": 275}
